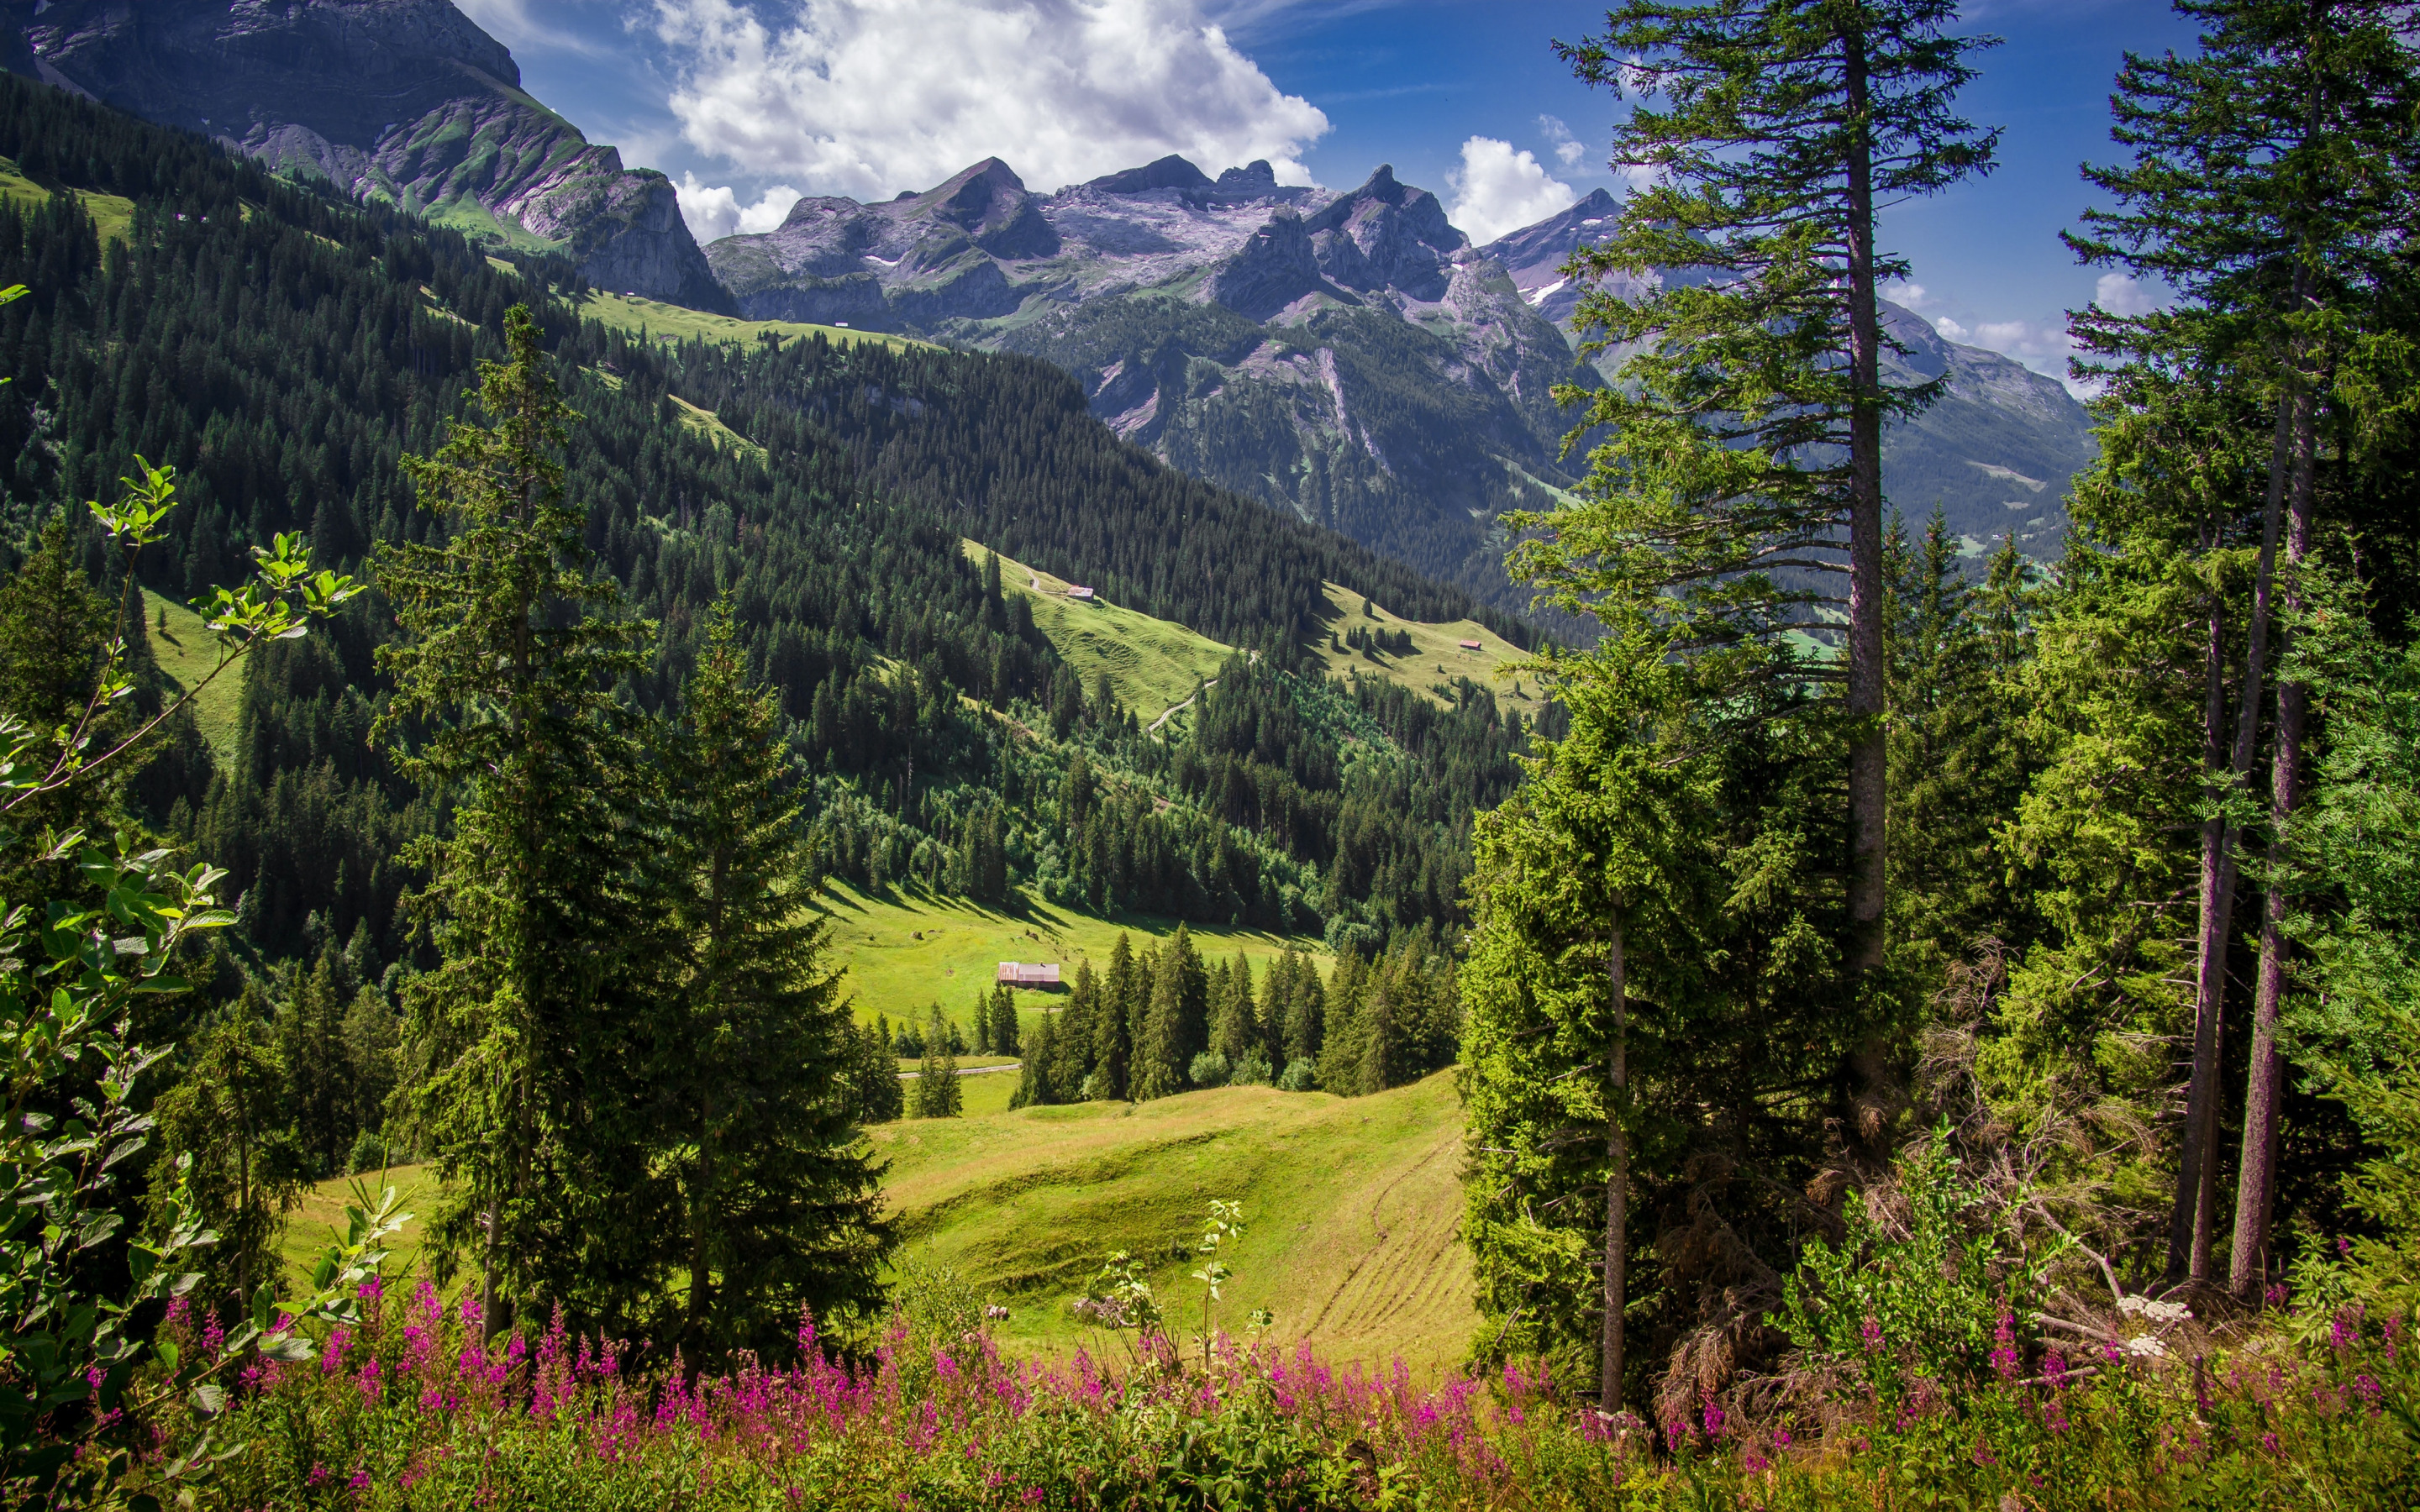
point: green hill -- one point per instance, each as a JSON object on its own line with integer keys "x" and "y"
{"x": 189, "y": 654}
{"x": 634, "y": 313}
{"x": 1438, "y": 654}
{"x": 1155, "y": 665}
{"x": 1352, "y": 1206}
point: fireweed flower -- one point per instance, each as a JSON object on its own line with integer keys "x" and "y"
{"x": 2004, "y": 1348}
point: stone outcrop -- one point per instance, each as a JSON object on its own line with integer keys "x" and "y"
{"x": 406, "y": 101}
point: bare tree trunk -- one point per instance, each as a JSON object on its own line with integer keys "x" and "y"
{"x": 1616, "y": 1185}
{"x": 2256, "y": 1188}
{"x": 2217, "y": 906}
{"x": 2190, "y": 1220}
{"x": 1869, "y": 790}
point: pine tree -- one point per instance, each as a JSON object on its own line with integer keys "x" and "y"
{"x": 1159, "y": 1052}
{"x": 504, "y": 670}
{"x": 776, "y": 1205}
{"x": 1743, "y": 457}
{"x": 2271, "y": 189}
{"x": 1234, "y": 1027}
{"x": 1074, "y": 1040}
{"x": 876, "y": 1093}
{"x": 309, "y": 1037}
{"x": 230, "y": 1113}
{"x": 1002, "y": 1016}
{"x": 1112, "y": 1038}
{"x": 937, "y": 1092}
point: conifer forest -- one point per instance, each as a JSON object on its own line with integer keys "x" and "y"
{"x": 1921, "y": 1026}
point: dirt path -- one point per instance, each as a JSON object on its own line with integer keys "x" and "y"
{"x": 967, "y": 1070}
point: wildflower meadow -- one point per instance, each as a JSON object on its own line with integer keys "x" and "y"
{"x": 412, "y": 1406}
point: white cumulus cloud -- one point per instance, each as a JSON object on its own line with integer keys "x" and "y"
{"x": 1907, "y": 294}
{"x": 1569, "y": 149}
{"x": 868, "y": 98}
{"x": 1497, "y": 190}
{"x": 2123, "y": 294}
{"x": 2041, "y": 344}
{"x": 1951, "y": 330}
{"x": 715, "y": 212}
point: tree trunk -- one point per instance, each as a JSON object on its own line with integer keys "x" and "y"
{"x": 1617, "y": 1186}
{"x": 701, "y": 1276}
{"x": 2217, "y": 906}
{"x": 2257, "y": 1174}
{"x": 2190, "y": 1220}
{"x": 1868, "y": 755}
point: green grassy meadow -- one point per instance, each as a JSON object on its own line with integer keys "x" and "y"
{"x": 671, "y": 322}
{"x": 187, "y": 653}
{"x": 111, "y": 213}
{"x": 319, "y": 1219}
{"x": 1437, "y": 656}
{"x": 905, "y": 952}
{"x": 1153, "y": 664}
{"x": 1351, "y": 1205}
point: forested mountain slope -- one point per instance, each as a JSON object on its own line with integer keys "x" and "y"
{"x": 405, "y": 102}
{"x": 283, "y": 349}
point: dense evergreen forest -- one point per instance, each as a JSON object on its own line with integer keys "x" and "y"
{"x": 2035, "y": 962}
{"x": 778, "y": 610}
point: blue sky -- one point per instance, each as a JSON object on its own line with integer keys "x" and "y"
{"x": 749, "y": 103}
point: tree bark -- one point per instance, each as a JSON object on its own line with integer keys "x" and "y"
{"x": 1868, "y": 756}
{"x": 2256, "y": 1188}
{"x": 2190, "y": 1220}
{"x": 1616, "y": 1185}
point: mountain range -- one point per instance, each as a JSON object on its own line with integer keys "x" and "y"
{"x": 1348, "y": 356}
{"x": 402, "y": 100}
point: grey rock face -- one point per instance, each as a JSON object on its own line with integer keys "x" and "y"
{"x": 402, "y": 99}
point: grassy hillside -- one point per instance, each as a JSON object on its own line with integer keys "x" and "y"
{"x": 187, "y": 653}
{"x": 672, "y": 322}
{"x": 1351, "y": 1203}
{"x": 905, "y": 952}
{"x": 109, "y": 213}
{"x": 1153, "y": 664}
{"x": 1437, "y": 655}
{"x": 319, "y": 1219}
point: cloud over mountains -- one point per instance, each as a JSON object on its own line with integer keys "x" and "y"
{"x": 867, "y": 98}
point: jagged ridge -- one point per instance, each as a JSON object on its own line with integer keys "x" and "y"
{"x": 405, "y": 101}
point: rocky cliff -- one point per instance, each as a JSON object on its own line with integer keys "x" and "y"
{"x": 406, "y": 101}
{"x": 1349, "y": 356}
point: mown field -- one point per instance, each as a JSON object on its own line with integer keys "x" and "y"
{"x": 1153, "y": 664}
{"x": 1437, "y": 655}
{"x": 1351, "y": 1206}
{"x": 188, "y": 653}
{"x": 905, "y": 952}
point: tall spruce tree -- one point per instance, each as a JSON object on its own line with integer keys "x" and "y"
{"x": 1740, "y": 479}
{"x": 504, "y": 672}
{"x": 1112, "y": 1032}
{"x": 2271, "y": 186}
{"x": 774, "y": 1201}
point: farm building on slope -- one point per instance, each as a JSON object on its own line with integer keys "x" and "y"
{"x": 1018, "y": 974}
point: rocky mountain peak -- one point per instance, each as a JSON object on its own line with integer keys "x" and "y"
{"x": 406, "y": 101}
{"x": 1171, "y": 172}
{"x": 1253, "y": 180}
